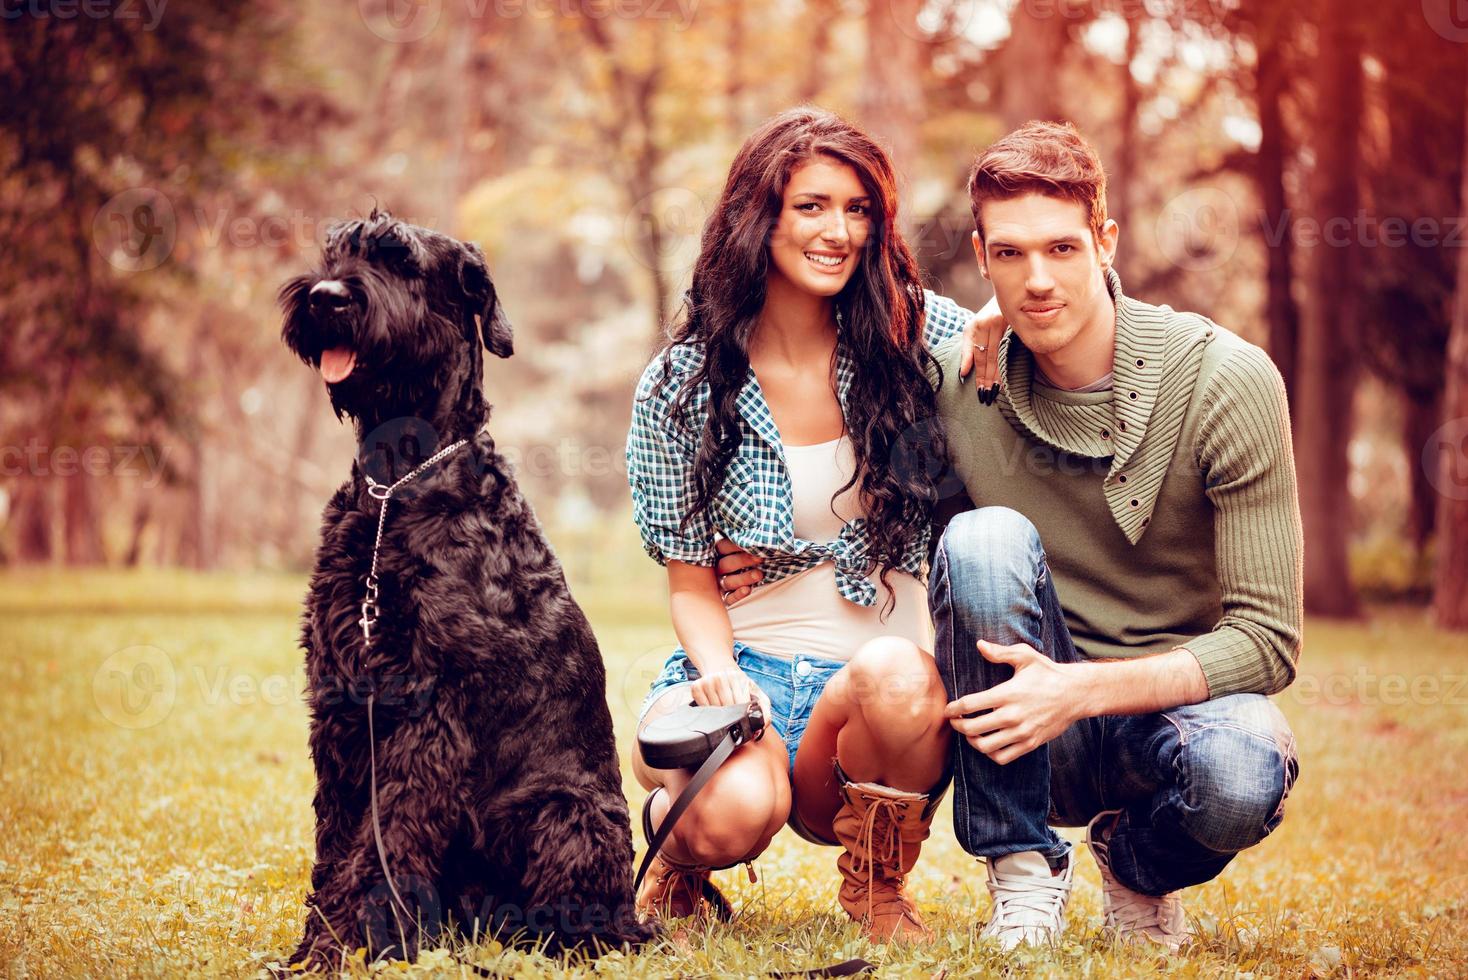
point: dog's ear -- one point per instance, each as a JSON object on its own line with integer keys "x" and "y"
{"x": 482, "y": 303}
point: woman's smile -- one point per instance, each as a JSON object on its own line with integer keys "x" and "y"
{"x": 829, "y": 263}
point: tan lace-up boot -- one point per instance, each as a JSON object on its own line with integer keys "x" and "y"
{"x": 674, "y": 891}
{"x": 882, "y": 830}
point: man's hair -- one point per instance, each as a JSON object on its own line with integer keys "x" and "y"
{"x": 1047, "y": 158}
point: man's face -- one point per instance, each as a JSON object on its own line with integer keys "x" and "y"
{"x": 1048, "y": 269}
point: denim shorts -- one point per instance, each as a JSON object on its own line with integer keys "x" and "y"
{"x": 792, "y": 685}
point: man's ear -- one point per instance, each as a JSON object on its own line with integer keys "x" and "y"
{"x": 482, "y": 303}
{"x": 979, "y": 254}
{"x": 1110, "y": 234}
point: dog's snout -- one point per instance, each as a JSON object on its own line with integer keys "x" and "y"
{"x": 328, "y": 296}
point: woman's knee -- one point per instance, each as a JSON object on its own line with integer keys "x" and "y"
{"x": 736, "y": 814}
{"x": 896, "y": 687}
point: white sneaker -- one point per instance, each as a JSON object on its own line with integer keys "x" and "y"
{"x": 1131, "y": 916}
{"x": 1029, "y": 901}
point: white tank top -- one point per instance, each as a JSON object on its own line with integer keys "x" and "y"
{"x": 805, "y": 613}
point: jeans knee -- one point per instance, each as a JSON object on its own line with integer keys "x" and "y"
{"x": 1234, "y": 786}
{"x": 991, "y": 543}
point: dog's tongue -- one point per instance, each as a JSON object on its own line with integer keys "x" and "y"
{"x": 337, "y": 363}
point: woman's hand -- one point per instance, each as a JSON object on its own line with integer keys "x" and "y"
{"x": 738, "y": 571}
{"x": 729, "y": 685}
{"x": 981, "y": 337}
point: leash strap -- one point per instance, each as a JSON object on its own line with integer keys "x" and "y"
{"x": 705, "y": 772}
{"x": 376, "y": 823}
{"x": 850, "y": 968}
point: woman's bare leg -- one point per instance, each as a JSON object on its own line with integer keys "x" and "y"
{"x": 738, "y": 812}
{"x": 882, "y": 717}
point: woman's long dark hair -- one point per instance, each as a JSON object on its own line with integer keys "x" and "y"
{"x": 881, "y": 307}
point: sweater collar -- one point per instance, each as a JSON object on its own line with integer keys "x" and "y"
{"x": 1137, "y": 375}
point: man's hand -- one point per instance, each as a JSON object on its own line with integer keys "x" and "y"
{"x": 1039, "y": 702}
{"x": 981, "y": 337}
{"x": 737, "y": 569}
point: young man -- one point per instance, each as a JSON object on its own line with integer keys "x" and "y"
{"x": 1111, "y": 617}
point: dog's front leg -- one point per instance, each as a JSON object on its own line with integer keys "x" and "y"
{"x": 419, "y": 788}
{"x": 339, "y": 752}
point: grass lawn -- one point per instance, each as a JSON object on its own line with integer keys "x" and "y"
{"x": 155, "y": 814}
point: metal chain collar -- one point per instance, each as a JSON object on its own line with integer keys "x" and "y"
{"x": 384, "y": 492}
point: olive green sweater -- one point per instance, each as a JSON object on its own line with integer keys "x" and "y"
{"x": 1167, "y": 505}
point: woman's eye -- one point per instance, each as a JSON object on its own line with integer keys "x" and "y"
{"x": 808, "y": 207}
{"x": 1063, "y": 248}
{"x": 860, "y": 209}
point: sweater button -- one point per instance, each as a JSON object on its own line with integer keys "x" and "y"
{"x": 1136, "y": 502}
{"x": 1132, "y": 396}
{"x": 1122, "y": 478}
{"x": 1141, "y": 363}
{"x": 1105, "y": 433}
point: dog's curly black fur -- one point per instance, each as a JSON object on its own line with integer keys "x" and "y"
{"x": 499, "y": 792}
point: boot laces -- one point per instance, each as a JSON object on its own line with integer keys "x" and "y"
{"x": 881, "y": 851}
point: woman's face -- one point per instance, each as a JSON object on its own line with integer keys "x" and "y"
{"x": 825, "y": 219}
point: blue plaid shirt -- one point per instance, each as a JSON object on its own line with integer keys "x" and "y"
{"x": 753, "y": 509}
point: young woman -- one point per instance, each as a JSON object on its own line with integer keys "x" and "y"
{"x": 775, "y": 419}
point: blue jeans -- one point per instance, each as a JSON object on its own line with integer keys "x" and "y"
{"x": 1195, "y": 785}
{"x": 793, "y": 686}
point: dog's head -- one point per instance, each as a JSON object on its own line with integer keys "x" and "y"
{"x": 393, "y": 315}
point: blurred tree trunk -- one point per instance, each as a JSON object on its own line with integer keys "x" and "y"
{"x": 83, "y": 520}
{"x": 1271, "y": 80}
{"x": 629, "y": 136}
{"x": 1124, "y": 177}
{"x": 821, "y": 16}
{"x": 734, "y": 82}
{"x": 33, "y": 521}
{"x": 142, "y": 516}
{"x": 891, "y": 97}
{"x": 1027, "y": 65}
{"x": 1420, "y": 419}
{"x": 1326, "y": 385}
{"x": 1450, "y": 603}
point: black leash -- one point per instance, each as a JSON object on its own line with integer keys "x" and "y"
{"x": 700, "y": 779}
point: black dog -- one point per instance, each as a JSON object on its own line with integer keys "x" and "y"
{"x": 472, "y": 689}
